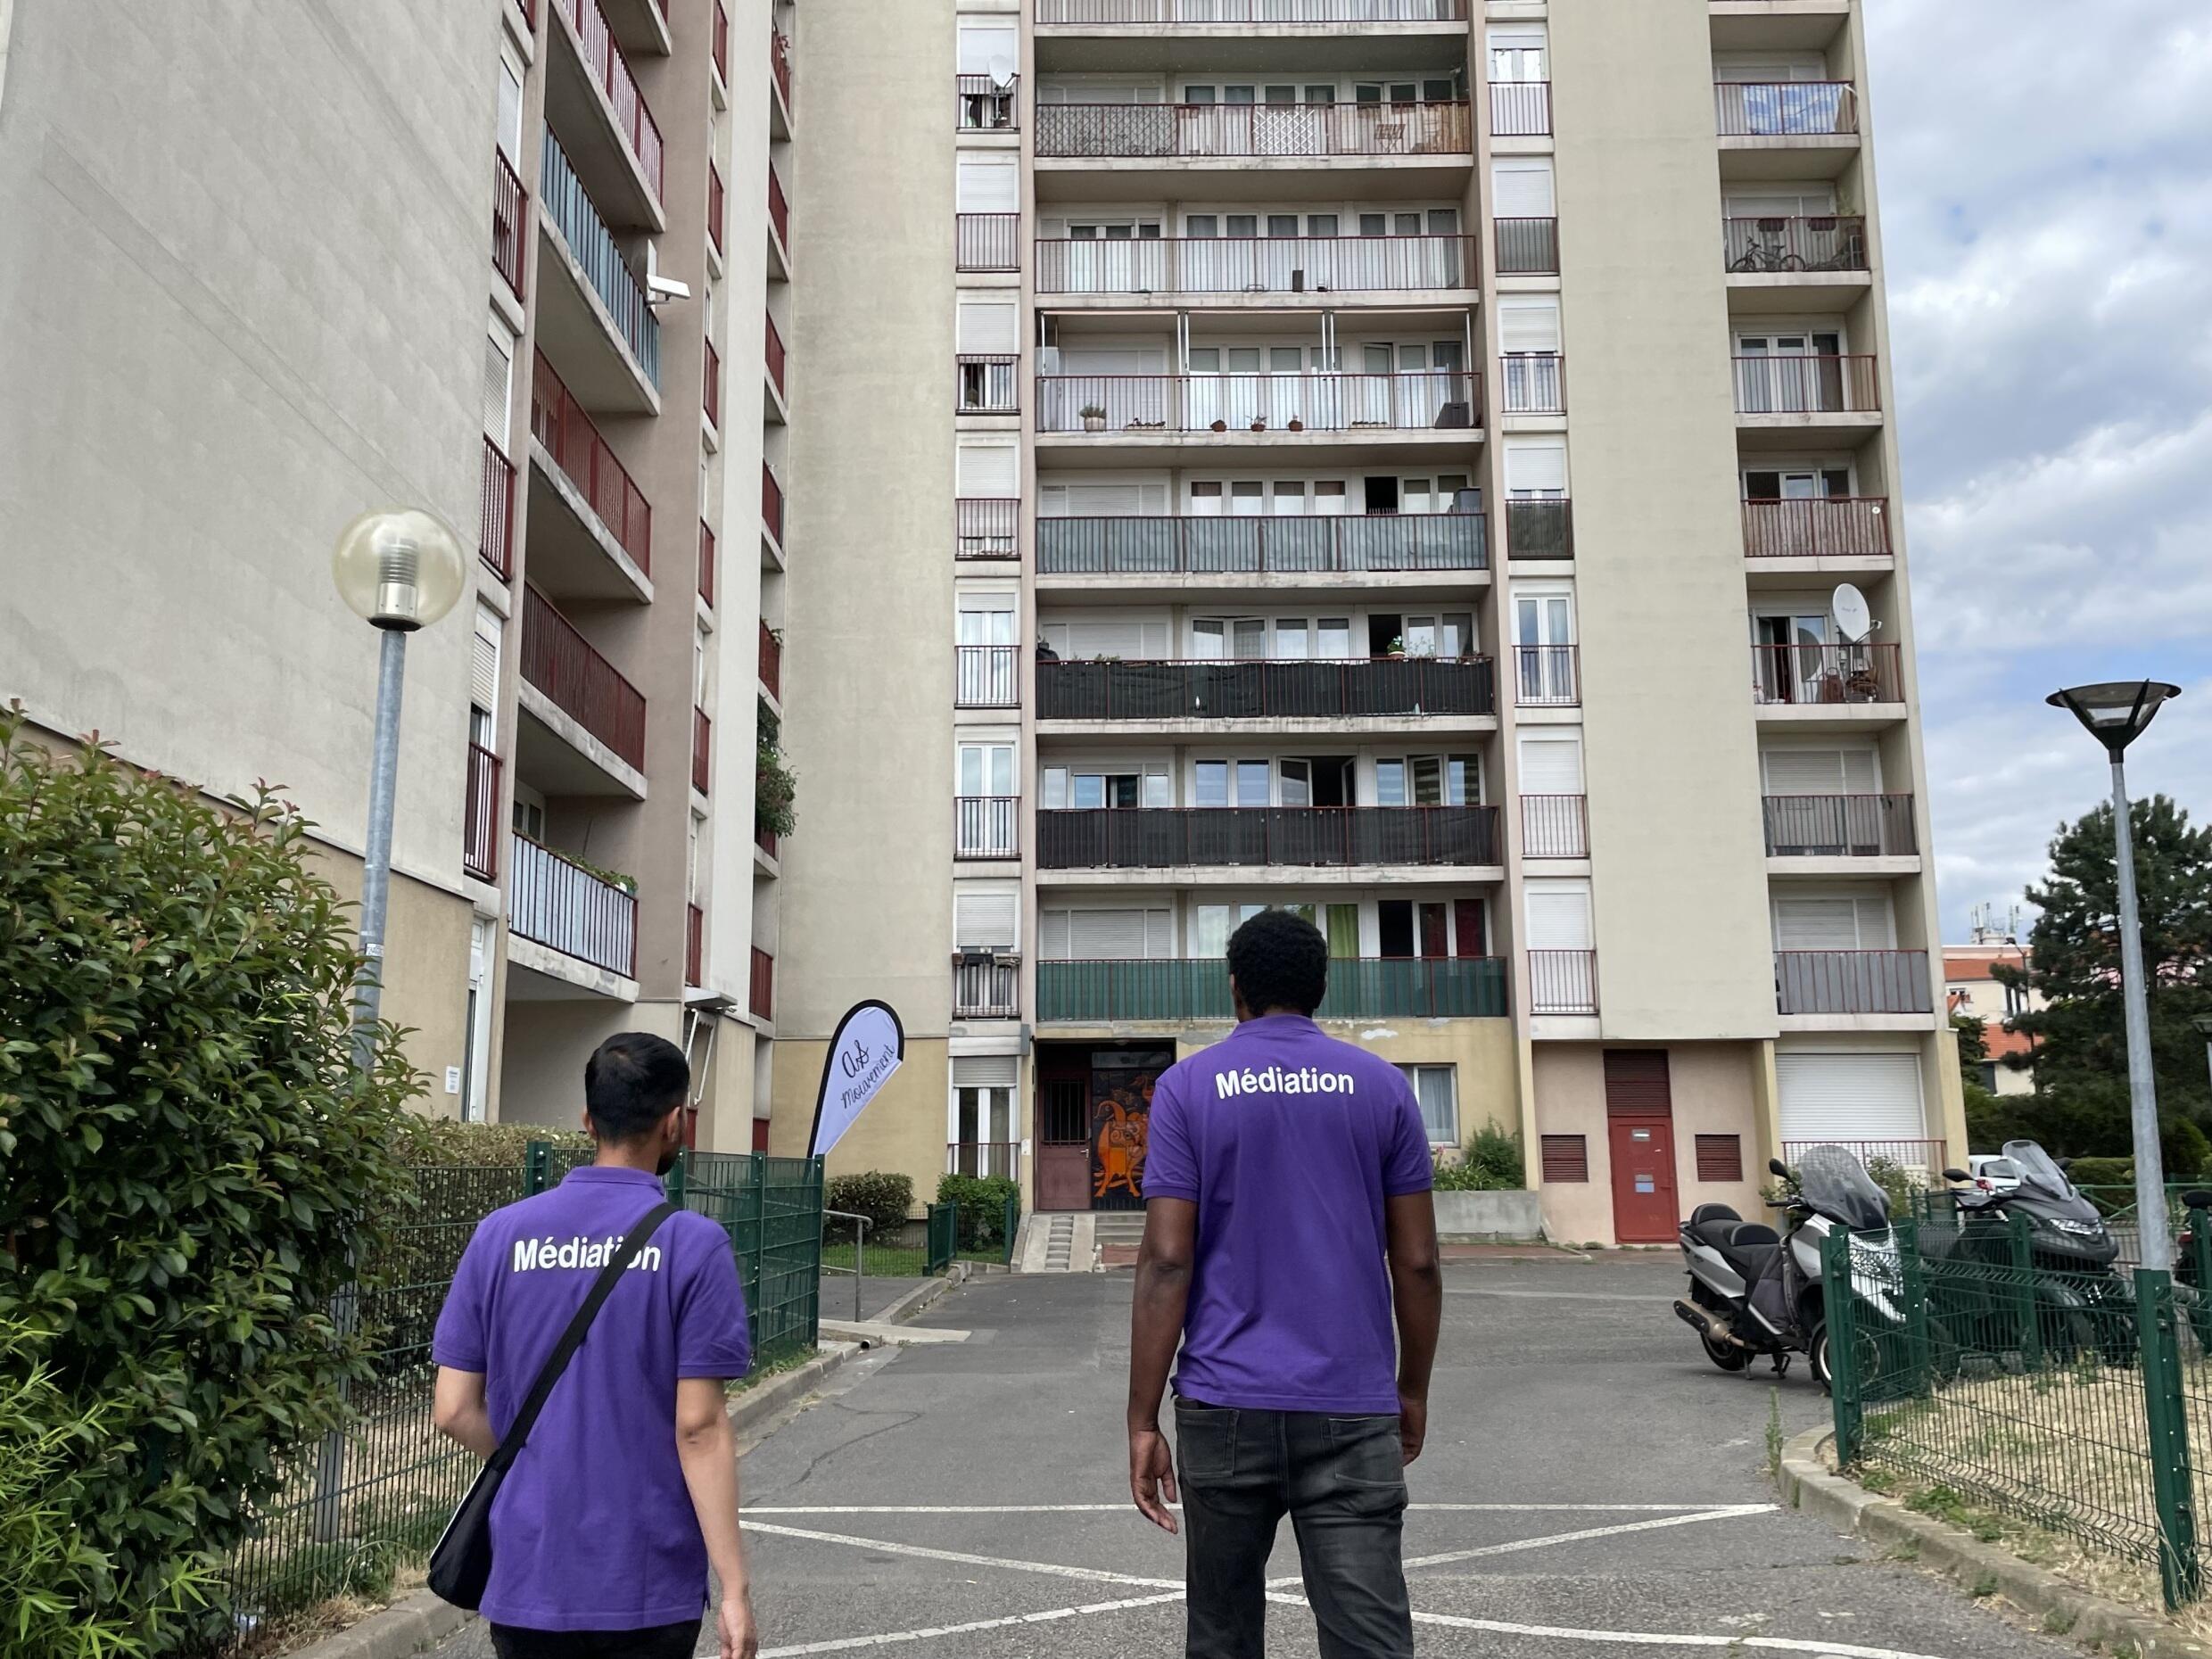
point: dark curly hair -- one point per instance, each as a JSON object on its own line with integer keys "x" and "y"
{"x": 1279, "y": 960}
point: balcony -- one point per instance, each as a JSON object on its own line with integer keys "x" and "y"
{"x": 1213, "y": 132}
{"x": 779, "y": 70}
{"x": 557, "y": 903}
{"x": 987, "y": 383}
{"x": 1554, "y": 826}
{"x": 1796, "y": 109}
{"x": 1528, "y": 247}
{"x": 702, "y": 749}
{"x": 1926, "y": 1159}
{"x": 1828, "y": 527}
{"x": 1176, "y": 989}
{"x": 1563, "y": 982}
{"x": 1168, "y": 266}
{"x": 598, "y": 324}
{"x": 1532, "y": 383}
{"x": 605, "y": 517}
{"x": 1302, "y": 14}
{"x": 1793, "y": 253}
{"x": 987, "y": 826}
{"x": 1547, "y": 676}
{"x": 718, "y": 52}
{"x": 987, "y": 527}
{"x": 495, "y": 538}
{"x": 986, "y": 676}
{"x": 1412, "y": 687}
{"x": 1430, "y": 401}
{"x": 779, "y": 227}
{"x": 771, "y": 509}
{"x": 986, "y": 241}
{"x": 1520, "y": 108}
{"x": 1377, "y": 542}
{"x": 1540, "y": 528}
{"x": 706, "y": 564}
{"x": 608, "y": 71}
{"x": 710, "y": 392}
{"x": 986, "y": 985}
{"x": 693, "y": 945}
{"x": 716, "y": 206}
{"x": 1840, "y": 826}
{"x": 479, "y": 815}
{"x": 761, "y": 993}
{"x": 1805, "y": 391}
{"x": 771, "y": 663}
{"x": 1001, "y": 1158}
{"x": 981, "y": 105}
{"x": 509, "y": 205}
{"x": 1852, "y": 982}
{"x": 1136, "y": 837}
{"x": 1823, "y": 677}
{"x": 559, "y": 663}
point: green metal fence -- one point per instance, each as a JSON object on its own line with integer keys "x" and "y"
{"x": 943, "y": 1235}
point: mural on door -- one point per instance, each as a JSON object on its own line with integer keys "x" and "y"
{"x": 1121, "y": 1111}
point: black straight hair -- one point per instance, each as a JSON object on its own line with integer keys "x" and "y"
{"x": 633, "y": 1081}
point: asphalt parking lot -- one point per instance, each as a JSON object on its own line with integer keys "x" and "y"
{"x": 1592, "y": 1486}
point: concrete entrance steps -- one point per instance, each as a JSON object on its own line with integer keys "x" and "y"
{"x": 1119, "y": 1227}
{"x": 1057, "y": 1242}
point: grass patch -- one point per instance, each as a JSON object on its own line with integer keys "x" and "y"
{"x": 790, "y": 1359}
{"x": 1774, "y": 1434}
{"x": 2058, "y": 1621}
{"x": 883, "y": 1261}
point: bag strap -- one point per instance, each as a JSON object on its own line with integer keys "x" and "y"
{"x": 572, "y": 1339}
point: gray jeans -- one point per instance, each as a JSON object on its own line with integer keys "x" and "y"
{"x": 1341, "y": 1481}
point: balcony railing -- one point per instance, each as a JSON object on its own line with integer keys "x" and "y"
{"x": 553, "y": 902}
{"x": 508, "y": 203}
{"x": 495, "y": 540}
{"x": 1547, "y": 676}
{"x": 558, "y": 421}
{"x": 1792, "y": 109}
{"x": 1422, "y": 400}
{"x": 1852, "y": 982}
{"x": 981, "y": 105}
{"x": 1273, "y": 689}
{"x": 983, "y": 1158}
{"x": 1528, "y": 247}
{"x": 1193, "y": 131}
{"x": 986, "y": 676}
{"x": 987, "y": 826}
{"x": 1533, "y": 383}
{"x": 702, "y": 749}
{"x": 715, "y": 195}
{"x": 984, "y": 987}
{"x": 1170, "y": 265}
{"x": 1520, "y": 108}
{"x": 706, "y": 564}
{"x": 987, "y": 527}
{"x": 1928, "y": 1158}
{"x": 560, "y": 662}
{"x": 1554, "y": 826}
{"x": 987, "y": 383}
{"x": 771, "y": 504}
{"x": 766, "y": 840}
{"x": 1298, "y": 12}
{"x": 1828, "y": 527}
{"x": 1190, "y": 546}
{"x": 1157, "y": 837}
{"x": 635, "y": 121}
{"x": 693, "y": 945}
{"x": 1840, "y": 826}
{"x": 1362, "y": 987}
{"x": 1563, "y": 982}
{"x": 986, "y": 241}
{"x": 720, "y": 48}
{"x": 1806, "y": 386}
{"x": 1827, "y": 673}
{"x": 771, "y": 662}
{"x": 780, "y": 63}
{"x": 1542, "y": 528}
{"x": 593, "y": 247}
{"x": 761, "y": 993}
{"x": 1826, "y": 242}
{"x": 479, "y": 815}
{"x": 779, "y": 209}
{"x": 710, "y": 397}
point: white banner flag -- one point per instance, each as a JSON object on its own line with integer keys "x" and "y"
{"x": 869, "y": 1045}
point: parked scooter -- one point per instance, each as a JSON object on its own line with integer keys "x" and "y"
{"x": 1752, "y": 1291}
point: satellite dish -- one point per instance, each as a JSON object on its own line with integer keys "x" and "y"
{"x": 1001, "y": 71}
{"x": 1854, "y": 620}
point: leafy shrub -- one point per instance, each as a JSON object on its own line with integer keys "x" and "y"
{"x": 190, "y": 1170}
{"x": 2103, "y": 1172}
{"x": 775, "y": 786}
{"x": 1491, "y": 1162}
{"x": 886, "y": 1199}
{"x": 1897, "y": 1184}
{"x": 982, "y": 1201}
{"x": 443, "y": 1142}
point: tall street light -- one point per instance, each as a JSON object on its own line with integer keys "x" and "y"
{"x": 399, "y": 569}
{"x": 2116, "y": 715}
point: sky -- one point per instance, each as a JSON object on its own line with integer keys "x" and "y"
{"x": 2045, "y": 179}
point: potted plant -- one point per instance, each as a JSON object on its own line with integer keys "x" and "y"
{"x": 1297, "y": 424}
{"x": 1259, "y": 425}
{"x": 1397, "y": 651}
{"x": 1221, "y": 426}
{"x": 1093, "y": 418}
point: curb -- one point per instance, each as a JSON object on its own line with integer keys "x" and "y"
{"x": 1807, "y": 1486}
{"x": 925, "y": 1295}
{"x": 771, "y": 1397}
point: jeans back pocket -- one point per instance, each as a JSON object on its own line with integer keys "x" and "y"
{"x": 1205, "y": 1442}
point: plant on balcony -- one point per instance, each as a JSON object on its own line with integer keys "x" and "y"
{"x": 1093, "y": 418}
{"x": 1220, "y": 425}
{"x": 1397, "y": 646}
{"x": 774, "y": 785}
{"x": 1259, "y": 425}
{"x": 613, "y": 878}
{"x": 1297, "y": 424}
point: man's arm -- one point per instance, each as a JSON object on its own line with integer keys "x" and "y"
{"x": 708, "y": 1451}
{"x": 1163, "y": 1290}
{"x": 1417, "y": 1292}
{"x": 457, "y": 1405}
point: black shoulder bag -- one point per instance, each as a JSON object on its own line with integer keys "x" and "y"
{"x": 461, "y": 1565}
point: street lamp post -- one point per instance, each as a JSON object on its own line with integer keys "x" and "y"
{"x": 2116, "y": 715}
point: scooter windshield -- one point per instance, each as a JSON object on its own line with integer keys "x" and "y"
{"x": 1835, "y": 1184}
{"x": 2040, "y": 1176}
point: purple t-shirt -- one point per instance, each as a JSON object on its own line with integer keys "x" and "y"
{"x": 1288, "y": 1142}
{"x": 593, "y": 1529}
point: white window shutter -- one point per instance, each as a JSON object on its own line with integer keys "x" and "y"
{"x": 483, "y": 665}
{"x": 987, "y": 183}
{"x": 1849, "y": 1097}
{"x": 1862, "y": 775}
{"x": 1537, "y": 464}
{"x": 498, "y": 384}
{"x": 1053, "y": 501}
{"x": 1521, "y": 188}
{"x": 1159, "y": 934}
{"x": 1559, "y": 916}
{"x": 1528, "y": 322}
{"x": 984, "y": 917}
{"x": 982, "y": 44}
{"x": 984, "y": 1071}
{"x": 1106, "y": 936}
{"x": 988, "y": 328}
{"x": 1816, "y": 924}
{"x": 1804, "y": 772}
{"x": 989, "y": 470}
{"x": 1053, "y": 935}
{"x": 1551, "y": 765}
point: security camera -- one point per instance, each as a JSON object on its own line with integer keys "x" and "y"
{"x": 659, "y": 290}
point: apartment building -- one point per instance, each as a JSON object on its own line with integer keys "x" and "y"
{"x": 1425, "y": 463}
{"x": 1972, "y": 991}
{"x": 523, "y": 263}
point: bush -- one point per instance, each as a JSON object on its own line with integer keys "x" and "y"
{"x": 1492, "y": 1163}
{"x": 2103, "y": 1172}
{"x": 886, "y": 1199}
{"x": 190, "y": 1170}
{"x": 982, "y": 1201}
{"x": 1897, "y": 1183}
{"x": 441, "y": 1143}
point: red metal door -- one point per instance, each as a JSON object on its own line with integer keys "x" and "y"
{"x": 1064, "y": 1160}
{"x": 1643, "y": 1180}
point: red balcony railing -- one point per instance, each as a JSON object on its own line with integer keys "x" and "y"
{"x": 1845, "y": 526}
{"x": 1539, "y": 527}
{"x": 715, "y": 197}
{"x": 558, "y": 421}
{"x": 1520, "y": 108}
{"x": 693, "y": 945}
{"x": 1275, "y": 689}
{"x": 1166, "y": 837}
{"x": 981, "y": 105}
{"x": 1791, "y": 109}
{"x": 984, "y": 988}
{"x": 495, "y": 542}
{"x": 702, "y": 750}
{"x": 507, "y": 237}
{"x": 765, "y": 840}
{"x": 779, "y": 64}
{"x": 778, "y": 209}
{"x": 479, "y": 815}
{"x": 1545, "y": 676}
{"x": 771, "y": 504}
{"x": 721, "y": 42}
{"x": 706, "y": 564}
{"x": 987, "y": 527}
{"x": 604, "y": 55}
{"x": 1416, "y": 401}
{"x": 1840, "y": 826}
{"x": 1825, "y": 242}
{"x": 557, "y": 903}
{"x": 986, "y": 383}
{"x": 986, "y": 676}
{"x": 1252, "y": 130}
{"x": 711, "y": 392}
{"x": 1528, "y": 247}
{"x": 1157, "y": 12}
{"x": 761, "y": 997}
{"x": 774, "y": 350}
{"x": 771, "y": 662}
{"x": 1827, "y": 673}
{"x": 1852, "y": 982}
{"x": 1196, "y": 546}
{"x": 1554, "y": 826}
{"x": 1533, "y": 383}
{"x": 986, "y": 241}
{"x": 987, "y": 826}
{"x": 1807, "y": 385}
{"x": 1168, "y": 265}
{"x": 560, "y": 662}
{"x": 1563, "y": 982}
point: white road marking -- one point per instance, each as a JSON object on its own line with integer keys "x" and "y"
{"x": 1072, "y": 1509}
{"x": 1771, "y": 1644}
{"x": 1096, "y": 1574}
{"x": 1730, "y": 1512}
{"x": 850, "y": 1643}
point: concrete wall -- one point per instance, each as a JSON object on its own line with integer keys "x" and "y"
{"x": 902, "y": 1130}
{"x": 547, "y": 1042}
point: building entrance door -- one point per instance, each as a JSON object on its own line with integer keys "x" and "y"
{"x": 1640, "y": 1113}
{"x": 1063, "y": 1118}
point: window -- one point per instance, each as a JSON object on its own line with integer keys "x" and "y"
{"x": 483, "y": 674}
{"x": 986, "y": 769}
{"x": 1520, "y": 187}
{"x": 1517, "y": 54}
{"x": 1536, "y": 469}
{"x": 1095, "y": 935}
{"x": 1230, "y": 783}
{"x": 499, "y": 383}
{"x": 1566, "y": 1158}
{"x": 1434, "y": 1087}
{"x": 987, "y": 183}
{"x": 1989, "y": 1076}
{"x": 1429, "y": 781}
{"x": 985, "y": 915}
{"x": 1068, "y": 787}
{"x": 1720, "y": 1157}
{"x": 509, "y": 129}
{"x": 529, "y": 816}
{"x": 982, "y": 1129}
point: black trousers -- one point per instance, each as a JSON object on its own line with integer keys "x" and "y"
{"x": 662, "y": 1641}
{"x": 1341, "y": 1480}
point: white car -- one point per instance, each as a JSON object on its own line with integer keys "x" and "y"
{"x": 1993, "y": 1174}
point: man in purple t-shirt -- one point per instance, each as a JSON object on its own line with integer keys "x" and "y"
{"x": 1284, "y": 1170}
{"x": 627, "y": 1488}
